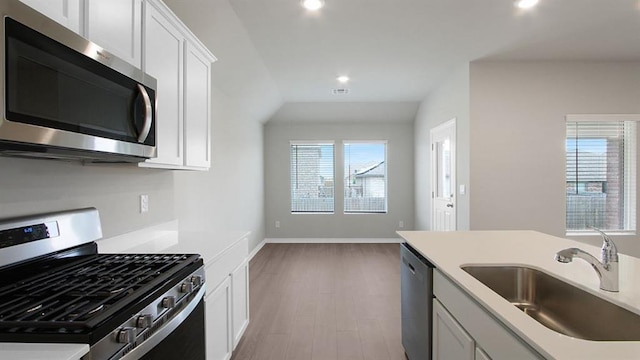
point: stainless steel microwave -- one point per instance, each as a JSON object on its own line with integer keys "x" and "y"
{"x": 65, "y": 97}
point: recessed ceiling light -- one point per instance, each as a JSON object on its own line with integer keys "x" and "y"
{"x": 343, "y": 79}
{"x": 312, "y": 4}
{"x": 526, "y": 4}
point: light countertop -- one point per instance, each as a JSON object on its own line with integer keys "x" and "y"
{"x": 450, "y": 250}
{"x": 42, "y": 351}
{"x": 165, "y": 238}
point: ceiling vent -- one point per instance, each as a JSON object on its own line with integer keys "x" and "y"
{"x": 341, "y": 91}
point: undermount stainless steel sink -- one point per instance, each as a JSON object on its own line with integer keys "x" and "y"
{"x": 558, "y": 305}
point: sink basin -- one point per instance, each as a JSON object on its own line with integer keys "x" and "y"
{"x": 558, "y": 305}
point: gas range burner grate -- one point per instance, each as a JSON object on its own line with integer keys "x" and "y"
{"x": 75, "y": 296}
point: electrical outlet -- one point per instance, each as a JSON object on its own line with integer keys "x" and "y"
{"x": 401, "y": 224}
{"x": 277, "y": 224}
{"x": 144, "y": 203}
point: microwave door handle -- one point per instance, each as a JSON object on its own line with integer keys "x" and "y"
{"x": 148, "y": 115}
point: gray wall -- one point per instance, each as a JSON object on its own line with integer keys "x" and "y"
{"x": 338, "y": 225}
{"x": 30, "y": 186}
{"x": 518, "y": 137}
{"x": 449, "y": 100}
{"x": 229, "y": 199}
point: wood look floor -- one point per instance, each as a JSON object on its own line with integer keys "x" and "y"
{"x": 324, "y": 302}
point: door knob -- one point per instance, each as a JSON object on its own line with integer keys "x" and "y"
{"x": 449, "y": 205}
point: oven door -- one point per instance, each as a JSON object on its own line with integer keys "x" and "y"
{"x": 58, "y": 97}
{"x": 182, "y": 337}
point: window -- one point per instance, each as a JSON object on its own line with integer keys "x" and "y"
{"x": 600, "y": 173}
{"x": 365, "y": 181}
{"x": 312, "y": 178}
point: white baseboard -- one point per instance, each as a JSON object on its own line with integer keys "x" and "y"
{"x": 333, "y": 240}
{"x": 256, "y": 249}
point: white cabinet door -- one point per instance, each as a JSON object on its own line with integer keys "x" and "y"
{"x": 450, "y": 340}
{"x": 65, "y": 12}
{"x": 218, "y": 322}
{"x": 481, "y": 355}
{"x": 116, "y": 25}
{"x": 240, "y": 301}
{"x": 197, "y": 99}
{"x": 163, "y": 59}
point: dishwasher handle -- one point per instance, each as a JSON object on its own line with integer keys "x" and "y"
{"x": 411, "y": 268}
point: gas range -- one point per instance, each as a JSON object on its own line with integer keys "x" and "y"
{"x": 56, "y": 288}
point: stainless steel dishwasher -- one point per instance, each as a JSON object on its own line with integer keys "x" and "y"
{"x": 416, "y": 283}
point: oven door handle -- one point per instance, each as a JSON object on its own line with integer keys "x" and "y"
{"x": 148, "y": 115}
{"x": 166, "y": 329}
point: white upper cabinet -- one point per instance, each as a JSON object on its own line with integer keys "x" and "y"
{"x": 197, "y": 99}
{"x": 163, "y": 59}
{"x": 148, "y": 35}
{"x": 65, "y": 12}
{"x": 116, "y": 25}
{"x": 182, "y": 66}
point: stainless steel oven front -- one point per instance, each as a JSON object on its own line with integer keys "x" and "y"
{"x": 175, "y": 328}
{"x": 55, "y": 287}
{"x": 183, "y": 340}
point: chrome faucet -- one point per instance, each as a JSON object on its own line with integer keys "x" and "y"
{"x": 607, "y": 269}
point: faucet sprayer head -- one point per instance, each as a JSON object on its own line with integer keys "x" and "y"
{"x": 566, "y": 255}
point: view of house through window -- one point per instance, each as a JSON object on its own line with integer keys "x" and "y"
{"x": 600, "y": 174}
{"x": 312, "y": 178}
{"x": 365, "y": 181}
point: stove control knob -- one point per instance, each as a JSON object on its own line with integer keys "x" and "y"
{"x": 186, "y": 287}
{"x": 196, "y": 280}
{"x": 144, "y": 321}
{"x": 169, "y": 302}
{"x": 126, "y": 335}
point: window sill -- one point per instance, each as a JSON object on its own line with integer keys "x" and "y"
{"x": 312, "y": 213}
{"x": 593, "y": 233}
{"x": 364, "y": 212}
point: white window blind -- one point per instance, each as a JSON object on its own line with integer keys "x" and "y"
{"x": 600, "y": 175}
{"x": 312, "y": 178}
{"x": 365, "y": 182}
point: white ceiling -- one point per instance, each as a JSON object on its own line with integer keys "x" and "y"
{"x": 397, "y": 50}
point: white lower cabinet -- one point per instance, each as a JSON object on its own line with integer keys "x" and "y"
{"x": 218, "y": 322}
{"x": 240, "y": 300}
{"x": 227, "y": 305}
{"x": 450, "y": 340}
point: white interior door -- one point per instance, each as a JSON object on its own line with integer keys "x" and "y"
{"x": 443, "y": 177}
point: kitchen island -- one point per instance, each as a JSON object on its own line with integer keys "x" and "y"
{"x": 448, "y": 251}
